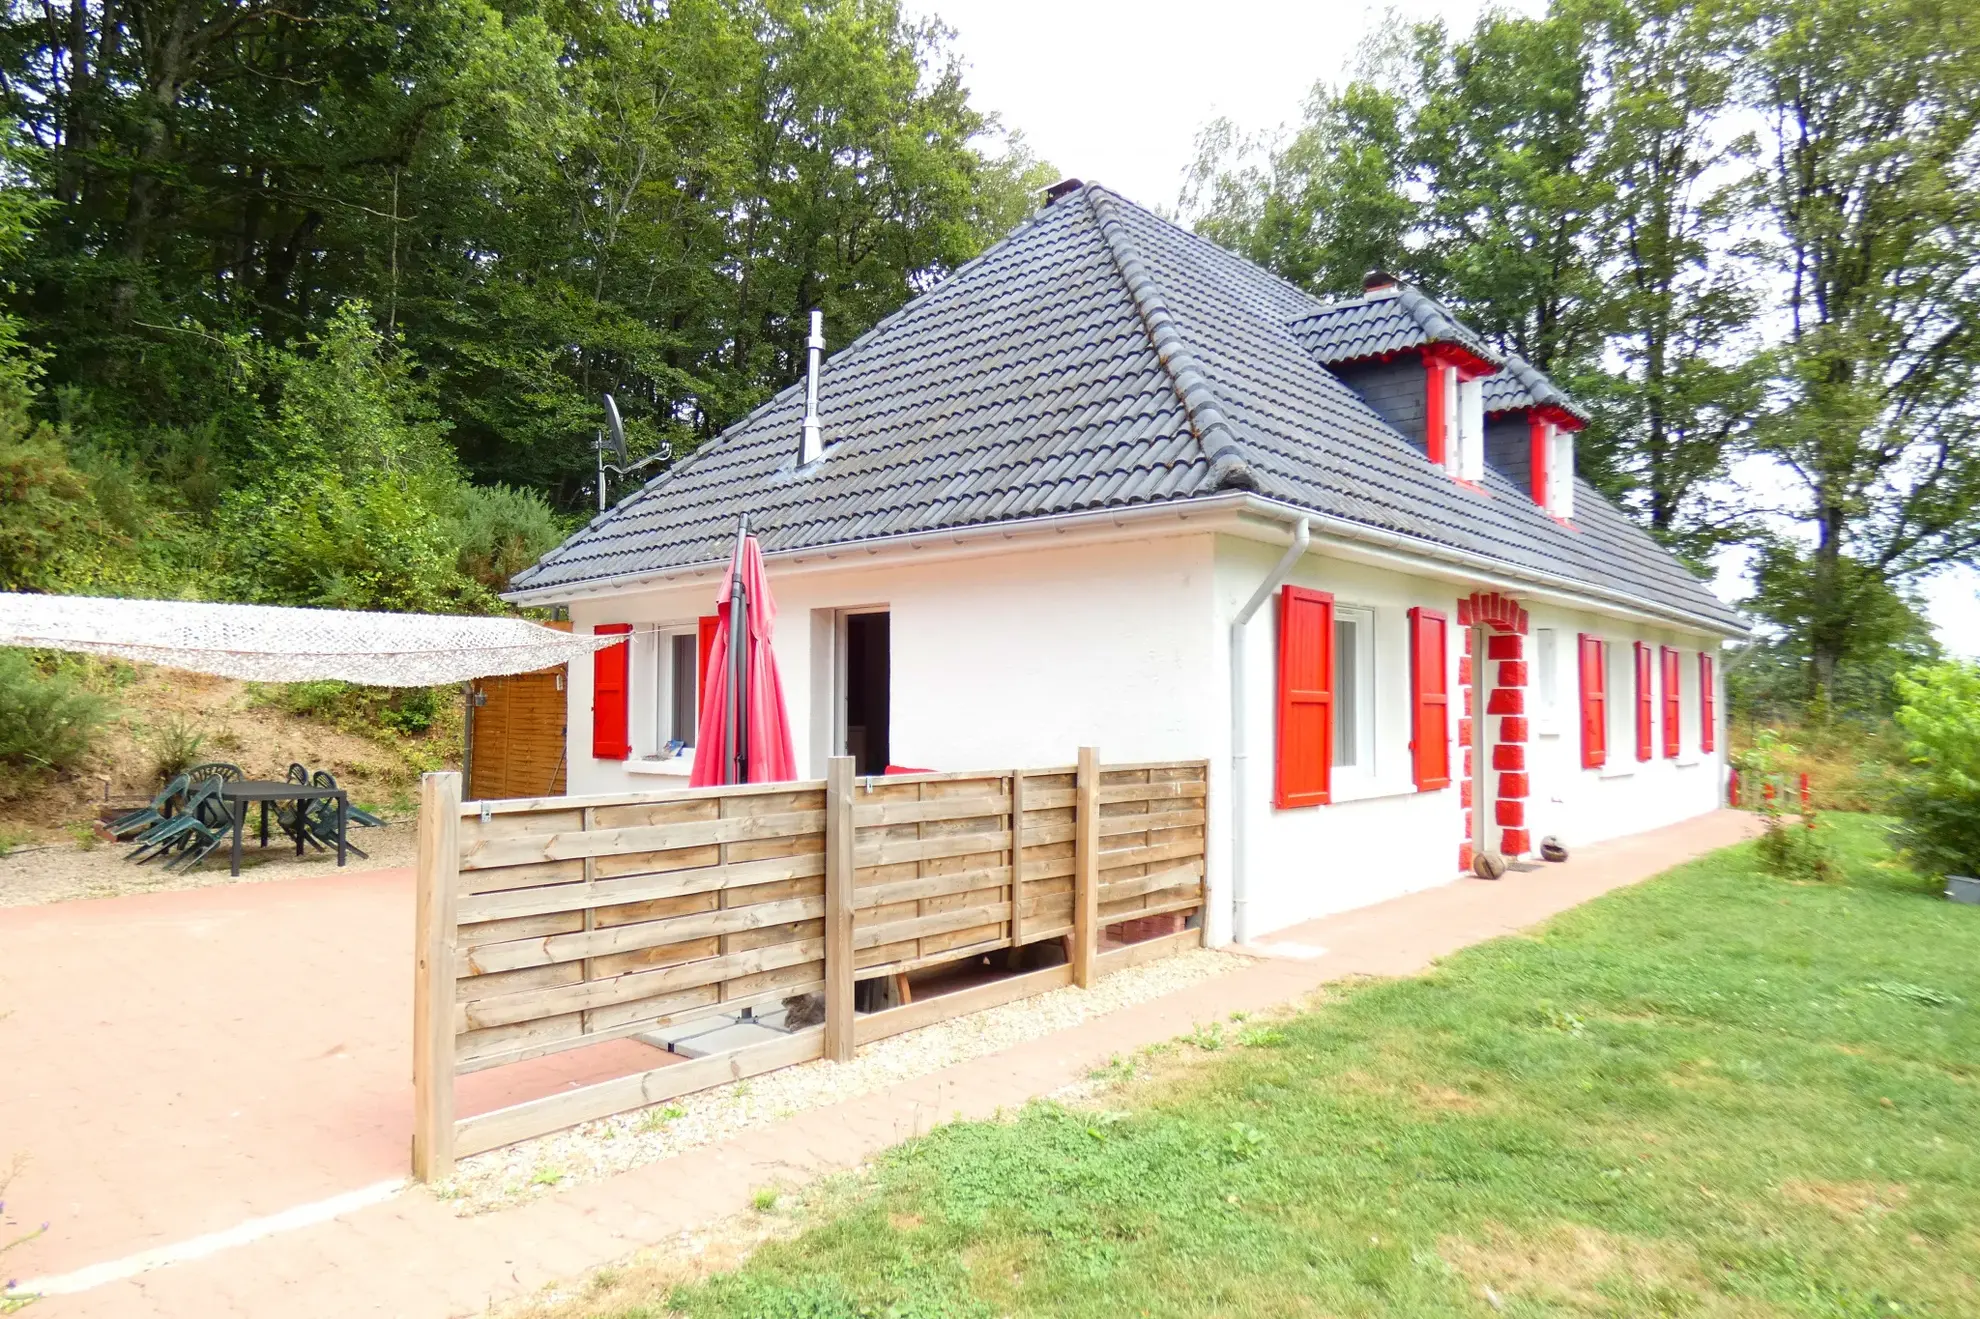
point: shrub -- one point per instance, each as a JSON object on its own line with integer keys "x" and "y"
{"x": 47, "y": 721}
{"x": 175, "y": 746}
{"x": 1940, "y": 806}
{"x": 1789, "y": 849}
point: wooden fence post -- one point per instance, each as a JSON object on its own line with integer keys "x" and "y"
{"x": 839, "y": 909}
{"x": 1017, "y": 862}
{"x": 436, "y": 898}
{"x": 1086, "y": 867}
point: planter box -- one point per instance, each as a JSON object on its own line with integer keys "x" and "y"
{"x": 1963, "y": 888}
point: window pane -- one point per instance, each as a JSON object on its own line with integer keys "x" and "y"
{"x": 1549, "y": 660}
{"x": 685, "y": 649}
{"x": 1347, "y": 689}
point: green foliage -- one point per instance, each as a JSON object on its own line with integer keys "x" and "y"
{"x": 1793, "y": 849}
{"x": 1612, "y": 189}
{"x": 1940, "y": 806}
{"x": 175, "y": 746}
{"x": 47, "y": 720}
{"x": 407, "y": 711}
{"x": 1738, "y": 1098}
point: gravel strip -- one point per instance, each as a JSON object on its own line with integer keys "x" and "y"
{"x": 65, "y": 873}
{"x": 586, "y": 1153}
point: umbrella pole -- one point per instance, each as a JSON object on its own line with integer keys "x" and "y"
{"x": 738, "y": 712}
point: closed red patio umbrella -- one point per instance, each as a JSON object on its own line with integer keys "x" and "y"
{"x": 742, "y": 733}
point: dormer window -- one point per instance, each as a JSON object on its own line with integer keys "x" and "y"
{"x": 1454, "y": 430}
{"x": 1553, "y": 462}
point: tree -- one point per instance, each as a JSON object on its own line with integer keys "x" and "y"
{"x": 1874, "y": 210}
{"x": 1680, "y": 310}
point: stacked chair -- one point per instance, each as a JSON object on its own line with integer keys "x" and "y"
{"x": 184, "y": 823}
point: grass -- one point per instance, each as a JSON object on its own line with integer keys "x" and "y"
{"x": 1715, "y": 1094}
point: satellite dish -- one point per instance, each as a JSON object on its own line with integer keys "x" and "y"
{"x": 616, "y": 429}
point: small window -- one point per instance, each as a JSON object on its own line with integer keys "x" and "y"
{"x": 1560, "y": 472}
{"x": 683, "y": 681}
{"x": 1354, "y": 690}
{"x": 1547, "y": 673}
{"x": 1471, "y": 430}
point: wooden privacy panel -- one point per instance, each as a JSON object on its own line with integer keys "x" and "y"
{"x": 579, "y": 924}
{"x": 553, "y": 923}
{"x": 1151, "y": 840}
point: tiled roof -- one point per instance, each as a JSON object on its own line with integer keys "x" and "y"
{"x": 1521, "y": 385}
{"x": 1098, "y": 357}
{"x": 1387, "y": 321}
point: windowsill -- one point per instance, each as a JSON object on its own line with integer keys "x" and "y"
{"x": 1343, "y": 793}
{"x": 1687, "y": 763}
{"x": 1629, "y": 773}
{"x": 679, "y": 767}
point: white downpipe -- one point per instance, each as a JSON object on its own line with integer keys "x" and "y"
{"x": 1240, "y": 791}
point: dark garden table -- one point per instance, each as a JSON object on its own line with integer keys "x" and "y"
{"x": 239, "y": 793}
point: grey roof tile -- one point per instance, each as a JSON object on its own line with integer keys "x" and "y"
{"x": 1389, "y": 321}
{"x": 1101, "y": 357}
{"x": 1521, "y": 385}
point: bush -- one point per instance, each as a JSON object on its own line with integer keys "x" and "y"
{"x": 1939, "y": 808}
{"x": 1794, "y": 849}
{"x": 175, "y": 746}
{"x": 408, "y": 711}
{"x": 47, "y": 721}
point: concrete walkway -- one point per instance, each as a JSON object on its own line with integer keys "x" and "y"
{"x": 409, "y": 1256}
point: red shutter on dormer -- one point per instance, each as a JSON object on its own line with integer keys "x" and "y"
{"x": 1540, "y": 451}
{"x": 610, "y": 738}
{"x": 1429, "y": 700}
{"x": 1306, "y": 698}
{"x": 1594, "y": 704}
{"x": 1673, "y": 703}
{"x": 1708, "y": 705}
{"x": 1646, "y": 702}
{"x": 1436, "y": 426}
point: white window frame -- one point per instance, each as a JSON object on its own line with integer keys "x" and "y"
{"x": 1469, "y": 450}
{"x": 1362, "y": 619}
{"x": 656, "y": 683}
{"x": 1560, "y": 471}
{"x": 1619, "y": 661}
{"x": 1547, "y": 680}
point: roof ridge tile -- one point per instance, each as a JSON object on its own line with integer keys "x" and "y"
{"x": 1229, "y": 468}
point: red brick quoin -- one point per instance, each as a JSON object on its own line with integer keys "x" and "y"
{"x": 1502, "y": 673}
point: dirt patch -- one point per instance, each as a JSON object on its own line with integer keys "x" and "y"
{"x": 1849, "y": 1201}
{"x": 1589, "y": 1271}
{"x": 63, "y": 872}
{"x": 235, "y": 724}
{"x": 1443, "y": 1099}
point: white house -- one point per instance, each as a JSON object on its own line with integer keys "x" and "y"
{"x": 1109, "y": 484}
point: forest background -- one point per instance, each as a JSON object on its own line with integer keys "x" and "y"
{"x": 311, "y": 301}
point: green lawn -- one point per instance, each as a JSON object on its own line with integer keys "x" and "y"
{"x": 1713, "y": 1094}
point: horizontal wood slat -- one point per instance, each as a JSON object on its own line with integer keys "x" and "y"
{"x": 579, "y": 920}
{"x": 505, "y": 1126}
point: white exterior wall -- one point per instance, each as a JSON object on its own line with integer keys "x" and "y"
{"x": 1016, "y": 659}
{"x": 1626, "y": 795}
{"x": 1020, "y": 657}
{"x": 1379, "y": 837}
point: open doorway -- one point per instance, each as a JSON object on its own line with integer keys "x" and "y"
{"x": 865, "y": 695}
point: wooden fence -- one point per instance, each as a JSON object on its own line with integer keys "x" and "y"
{"x": 555, "y": 923}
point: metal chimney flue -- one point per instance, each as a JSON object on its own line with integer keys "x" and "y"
{"x": 813, "y": 445}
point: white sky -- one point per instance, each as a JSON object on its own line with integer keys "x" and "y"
{"x": 1115, "y": 92}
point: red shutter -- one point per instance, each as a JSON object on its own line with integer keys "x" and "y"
{"x": 1646, "y": 702}
{"x": 1539, "y": 455}
{"x": 1708, "y": 705}
{"x": 609, "y": 736}
{"x": 705, "y": 642}
{"x": 1673, "y": 703}
{"x": 1306, "y": 697}
{"x": 1429, "y": 700}
{"x": 1594, "y": 704}
{"x": 1435, "y": 425}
